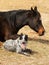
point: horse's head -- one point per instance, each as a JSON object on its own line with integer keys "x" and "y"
{"x": 35, "y": 22}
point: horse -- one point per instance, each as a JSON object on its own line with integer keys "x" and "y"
{"x": 12, "y": 21}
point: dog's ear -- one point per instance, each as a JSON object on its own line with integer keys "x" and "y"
{"x": 26, "y": 37}
{"x": 21, "y": 34}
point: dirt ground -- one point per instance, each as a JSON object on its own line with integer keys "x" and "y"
{"x": 38, "y": 44}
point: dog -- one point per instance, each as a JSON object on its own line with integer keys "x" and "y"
{"x": 18, "y": 45}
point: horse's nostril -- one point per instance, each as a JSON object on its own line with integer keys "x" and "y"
{"x": 43, "y": 33}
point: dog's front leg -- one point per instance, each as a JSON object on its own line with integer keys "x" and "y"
{"x": 18, "y": 49}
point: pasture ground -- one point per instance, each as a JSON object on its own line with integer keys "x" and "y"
{"x": 39, "y": 45}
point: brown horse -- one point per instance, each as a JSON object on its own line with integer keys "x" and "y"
{"x": 12, "y": 21}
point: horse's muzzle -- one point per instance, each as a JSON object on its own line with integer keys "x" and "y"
{"x": 41, "y": 31}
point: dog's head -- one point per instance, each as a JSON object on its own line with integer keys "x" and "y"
{"x": 23, "y": 41}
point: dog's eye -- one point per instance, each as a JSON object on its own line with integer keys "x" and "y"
{"x": 26, "y": 37}
{"x": 21, "y": 36}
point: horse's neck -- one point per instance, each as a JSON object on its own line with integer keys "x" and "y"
{"x": 23, "y": 22}
{"x": 22, "y": 25}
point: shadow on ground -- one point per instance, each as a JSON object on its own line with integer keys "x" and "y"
{"x": 29, "y": 51}
{"x": 39, "y": 40}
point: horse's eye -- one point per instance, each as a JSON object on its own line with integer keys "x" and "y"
{"x": 39, "y": 22}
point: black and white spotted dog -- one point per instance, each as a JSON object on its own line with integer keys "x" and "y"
{"x": 18, "y": 45}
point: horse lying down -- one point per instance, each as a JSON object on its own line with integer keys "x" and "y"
{"x": 18, "y": 45}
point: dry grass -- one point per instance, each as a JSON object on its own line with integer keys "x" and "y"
{"x": 39, "y": 45}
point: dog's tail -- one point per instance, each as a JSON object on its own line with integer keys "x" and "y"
{"x": 1, "y": 44}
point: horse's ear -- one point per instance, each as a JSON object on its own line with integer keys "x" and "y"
{"x": 31, "y": 9}
{"x": 30, "y": 12}
{"x": 35, "y": 8}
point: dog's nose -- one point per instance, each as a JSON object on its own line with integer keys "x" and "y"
{"x": 23, "y": 42}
